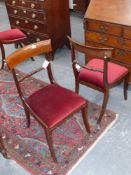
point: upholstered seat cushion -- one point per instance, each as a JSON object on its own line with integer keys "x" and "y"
{"x": 115, "y": 73}
{"x": 12, "y": 34}
{"x": 54, "y": 103}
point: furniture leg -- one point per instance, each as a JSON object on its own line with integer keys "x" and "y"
{"x": 50, "y": 144}
{"x": 2, "y": 148}
{"x": 76, "y": 86}
{"x": 3, "y": 56}
{"x": 85, "y": 119}
{"x": 126, "y": 83}
{"x": 27, "y": 118}
{"x": 105, "y": 100}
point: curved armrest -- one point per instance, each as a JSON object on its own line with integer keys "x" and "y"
{"x": 127, "y": 65}
{"x": 78, "y": 66}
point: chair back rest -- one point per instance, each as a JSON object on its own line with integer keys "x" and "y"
{"x": 20, "y": 55}
{"x": 89, "y": 51}
{"x": 24, "y": 54}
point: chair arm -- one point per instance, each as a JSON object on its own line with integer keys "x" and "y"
{"x": 78, "y": 66}
{"x": 121, "y": 63}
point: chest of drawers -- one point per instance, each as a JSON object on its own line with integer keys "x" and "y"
{"x": 108, "y": 24}
{"x": 41, "y": 19}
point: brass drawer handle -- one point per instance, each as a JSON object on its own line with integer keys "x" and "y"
{"x": 121, "y": 41}
{"x": 74, "y": 5}
{"x": 17, "y": 22}
{"x": 120, "y": 52}
{"x": 26, "y": 21}
{"x": 33, "y": 15}
{"x": 13, "y": 2}
{"x": 24, "y": 11}
{"x": 23, "y": 2}
{"x": 32, "y": 5}
{"x": 44, "y": 18}
{"x": 15, "y": 11}
{"x": 35, "y": 27}
{"x": 103, "y": 40}
{"x": 37, "y": 39}
{"x": 103, "y": 28}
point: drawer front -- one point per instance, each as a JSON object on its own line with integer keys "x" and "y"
{"x": 123, "y": 55}
{"x": 26, "y": 13}
{"x": 34, "y": 37}
{"x": 27, "y": 24}
{"x": 108, "y": 40}
{"x": 127, "y": 33}
{"x": 103, "y": 27}
{"x": 94, "y": 44}
{"x": 120, "y": 54}
{"x": 26, "y": 4}
{"x": 12, "y": 2}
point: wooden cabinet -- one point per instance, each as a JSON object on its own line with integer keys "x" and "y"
{"x": 81, "y": 5}
{"x": 108, "y": 24}
{"x": 41, "y": 19}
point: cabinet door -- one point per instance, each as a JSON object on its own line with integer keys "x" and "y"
{"x": 81, "y": 5}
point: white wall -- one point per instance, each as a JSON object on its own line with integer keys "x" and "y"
{"x": 71, "y": 4}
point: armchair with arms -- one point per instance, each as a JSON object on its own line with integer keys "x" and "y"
{"x": 98, "y": 72}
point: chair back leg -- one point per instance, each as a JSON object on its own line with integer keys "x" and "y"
{"x": 105, "y": 100}
{"x": 126, "y": 83}
{"x": 50, "y": 144}
{"x": 76, "y": 86}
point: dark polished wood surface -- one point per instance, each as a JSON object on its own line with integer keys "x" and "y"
{"x": 108, "y": 23}
{"x": 81, "y": 5}
{"x": 41, "y": 20}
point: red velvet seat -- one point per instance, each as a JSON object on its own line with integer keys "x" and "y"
{"x": 98, "y": 72}
{"x": 12, "y": 36}
{"x": 52, "y": 112}
{"x": 114, "y": 74}
{"x": 50, "y": 105}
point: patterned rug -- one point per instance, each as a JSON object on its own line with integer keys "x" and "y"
{"x": 28, "y": 146}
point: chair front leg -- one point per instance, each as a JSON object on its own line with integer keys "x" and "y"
{"x": 50, "y": 144}
{"x": 105, "y": 100}
{"x": 85, "y": 118}
{"x": 2, "y": 149}
{"x": 27, "y": 114}
{"x": 3, "y": 56}
{"x": 27, "y": 118}
{"x": 126, "y": 83}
